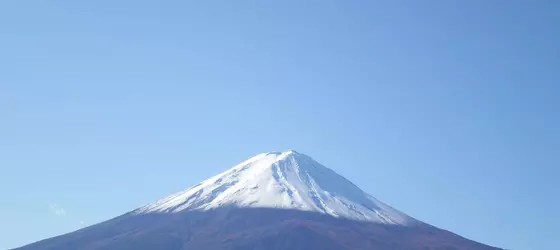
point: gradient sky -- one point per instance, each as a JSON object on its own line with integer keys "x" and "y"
{"x": 446, "y": 110}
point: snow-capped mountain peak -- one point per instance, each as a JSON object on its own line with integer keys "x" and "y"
{"x": 278, "y": 200}
{"x": 285, "y": 180}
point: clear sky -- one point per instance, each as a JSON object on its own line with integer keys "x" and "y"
{"x": 446, "y": 110}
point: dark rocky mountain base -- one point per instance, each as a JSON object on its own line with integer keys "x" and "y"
{"x": 230, "y": 228}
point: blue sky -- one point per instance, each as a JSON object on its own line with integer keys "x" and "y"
{"x": 446, "y": 110}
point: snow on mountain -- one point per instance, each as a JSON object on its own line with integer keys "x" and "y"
{"x": 284, "y": 180}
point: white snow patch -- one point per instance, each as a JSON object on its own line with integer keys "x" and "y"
{"x": 287, "y": 180}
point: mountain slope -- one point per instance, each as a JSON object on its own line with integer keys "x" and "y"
{"x": 271, "y": 201}
{"x": 288, "y": 180}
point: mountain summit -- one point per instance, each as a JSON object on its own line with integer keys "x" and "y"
{"x": 286, "y": 180}
{"x": 278, "y": 200}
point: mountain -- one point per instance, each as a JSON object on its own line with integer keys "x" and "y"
{"x": 278, "y": 200}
